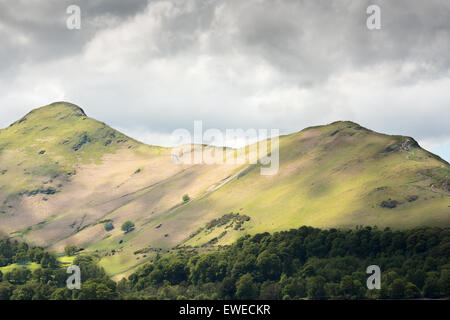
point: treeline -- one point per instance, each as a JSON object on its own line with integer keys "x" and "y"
{"x": 48, "y": 281}
{"x": 306, "y": 263}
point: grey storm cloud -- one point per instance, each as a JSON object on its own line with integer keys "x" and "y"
{"x": 258, "y": 63}
{"x": 304, "y": 38}
{"x": 42, "y": 26}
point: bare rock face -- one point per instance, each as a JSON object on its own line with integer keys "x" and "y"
{"x": 408, "y": 143}
{"x": 403, "y": 146}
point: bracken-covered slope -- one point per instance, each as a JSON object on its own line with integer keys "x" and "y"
{"x": 64, "y": 175}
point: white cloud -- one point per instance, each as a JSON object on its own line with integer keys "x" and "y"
{"x": 176, "y": 62}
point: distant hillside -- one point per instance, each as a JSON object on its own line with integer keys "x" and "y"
{"x": 64, "y": 175}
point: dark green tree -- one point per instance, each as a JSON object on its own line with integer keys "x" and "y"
{"x": 70, "y": 250}
{"x": 127, "y": 226}
{"x": 109, "y": 226}
{"x": 269, "y": 265}
{"x": 18, "y": 276}
{"x": 315, "y": 287}
{"x": 397, "y": 289}
{"x": 411, "y": 291}
{"x": 246, "y": 288}
{"x": 431, "y": 288}
{"x": 444, "y": 282}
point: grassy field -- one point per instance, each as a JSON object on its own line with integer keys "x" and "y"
{"x": 29, "y": 265}
{"x": 64, "y": 260}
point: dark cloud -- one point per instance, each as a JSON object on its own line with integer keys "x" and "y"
{"x": 35, "y": 31}
{"x": 232, "y": 63}
{"x": 309, "y": 39}
{"x": 315, "y": 39}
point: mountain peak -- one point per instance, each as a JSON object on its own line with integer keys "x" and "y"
{"x": 61, "y": 129}
{"x": 60, "y": 108}
{"x": 345, "y": 122}
{"x": 55, "y": 111}
{"x": 333, "y": 128}
{"x": 69, "y": 106}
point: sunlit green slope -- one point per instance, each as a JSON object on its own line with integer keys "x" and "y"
{"x": 49, "y": 142}
{"x": 338, "y": 175}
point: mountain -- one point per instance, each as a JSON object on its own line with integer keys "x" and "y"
{"x": 63, "y": 176}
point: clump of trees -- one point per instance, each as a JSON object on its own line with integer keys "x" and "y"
{"x": 186, "y": 198}
{"x": 109, "y": 226}
{"x": 127, "y": 226}
{"x": 71, "y": 250}
{"x": 48, "y": 282}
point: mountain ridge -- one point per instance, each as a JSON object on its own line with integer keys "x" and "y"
{"x": 335, "y": 175}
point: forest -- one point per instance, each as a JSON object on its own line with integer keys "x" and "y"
{"x": 304, "y": 263}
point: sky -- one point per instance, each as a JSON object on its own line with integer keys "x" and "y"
{"x": 148, "y": 68}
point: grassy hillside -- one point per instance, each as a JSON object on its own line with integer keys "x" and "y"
{"x": 44, "y": 148}
{"x": 63, "y": 176}
{"x": 336, "y": 175}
